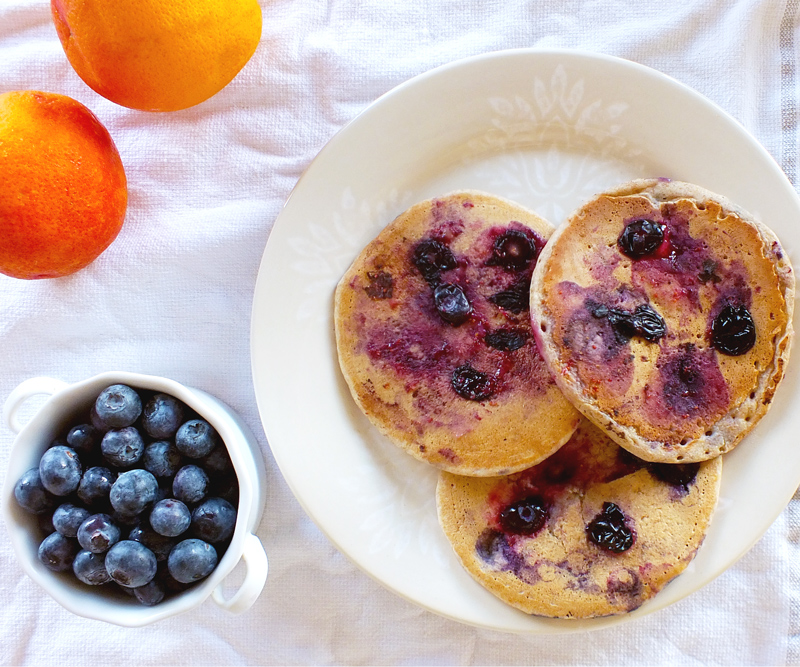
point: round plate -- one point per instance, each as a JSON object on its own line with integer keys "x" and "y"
{"x": 548, "y": 129}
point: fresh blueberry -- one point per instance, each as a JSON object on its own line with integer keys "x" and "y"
{"x": 190, "y": 484}
{"x": 150, "y": 594}
{"x": 98, "y": 533}
{"x": 60, "y": 470}
{"x": 68, "y": 518}
{"x": 95, "y": 485}
{"x": 134, "y": 491}
{"x": 214, "y": 520}
{"x": 83, "y": 438}
{"x": 158, "y": 544}
{"x": 162, "y": 458}
{"x": 31, "y": 494}
{"x": 196, "y": 438}
{"x": 118, "y": 406}
{"x": 192, "y": 560}
{"x": 90, "y": 568}
{"x": 218, "y": 462}
{"x": 122, "y": 447}
{"x": 162, "y": 415}
{"x": 57, "y": 552}
{"x": 170, "y": 517}
{"x": 131, "y": 564}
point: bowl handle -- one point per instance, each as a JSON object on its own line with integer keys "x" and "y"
{"x": 255, "y": 558}
{"x": 24, "y": 391}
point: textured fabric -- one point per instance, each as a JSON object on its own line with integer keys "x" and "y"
{"x": 172, "y": 296}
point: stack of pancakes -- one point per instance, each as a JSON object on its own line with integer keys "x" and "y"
{"x": 576, "y": 387}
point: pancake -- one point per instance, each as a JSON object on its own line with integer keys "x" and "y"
{"x": 434, "y": 340}
{"x": 664, "y": 312}
{"x": 592, "y": 531}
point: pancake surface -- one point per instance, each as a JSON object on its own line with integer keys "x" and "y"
{"x": 664, "y": 313}
{"x": 433, "y": 335}
{"x": 592, "y": 531}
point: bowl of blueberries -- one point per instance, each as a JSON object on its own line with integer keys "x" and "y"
{"x": 131, "y": 498}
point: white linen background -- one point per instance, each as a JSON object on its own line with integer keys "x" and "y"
{"x": 172, "y": 296}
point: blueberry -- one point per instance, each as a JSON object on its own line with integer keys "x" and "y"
{"x": 190, "y": 484}
{"x": 381, "y": 285}
{"x": 214, "y": 520}
{"x": 160, "y": 545}
{"x": 118, "y": 406}
{"x": 98, "y": 533}
{"x": 451, "y": 303}
{"x": 733, "y": 331}
{"x": 57, "y": 552}
{"x": 162, "y": 415}
{"x": 506, "y": 340}
{"x": 90, "y": 568}
{"x": 610, "y": 531}
{"x": 68, "y": 518}
{"x": 122, "y": 447}
{"x": 162, "y": 458}
{"x": 196, "y": 438}
{"x": 471, "y": 384}
{"x": 133, "y": 491}
{"x": 513, "y": 250}
{"x": 641, "y": 237}
{"x": 95, "y": 485}
{"x": 524, "y": 517}
{"x": 60, "y": 470}
{"x": 515, "y": 299}
{"x": 170, "y": 517}
{"x": 150, "y": 594}
{"x": 31, "y": 494}
{"x": 677, "y": 474}
{"x": 192, "y": 560}
{"x": 218, "y": 462}
{"x": 83, "y": 438}
{"x": 131, "y": 564}
{"x": 431, "y": 257}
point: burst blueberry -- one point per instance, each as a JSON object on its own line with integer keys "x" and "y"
{"x": 471, "y": 383}
{"x": 640, "y": 238}
{"x": 431, "y": 257}
{"x": 610, "y": 531}
{"x": 451, "y": 303}
{"x": 524, "y": 517}
{"x": 513, "y": 250}
{"x": 733, "y": 331}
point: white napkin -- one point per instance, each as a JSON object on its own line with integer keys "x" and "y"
{"x": 172, "y": 297}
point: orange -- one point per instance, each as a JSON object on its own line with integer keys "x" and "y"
{"x": 157, "y": 55}
{"x": 63, "y": 191}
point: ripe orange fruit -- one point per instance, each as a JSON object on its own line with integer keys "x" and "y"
{"x": 63, "y": 191}
{"x": 157, "y": 55}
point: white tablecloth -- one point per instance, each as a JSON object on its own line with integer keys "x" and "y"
{"x": 172, "y": 296}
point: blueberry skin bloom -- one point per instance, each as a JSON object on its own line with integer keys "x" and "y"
{"x": 191, "y": 560}
{"x": 150, "y": 594}
{"x": 118, "y": 406}
{"x": 170, "y": 517}
{"x": 131, "y": 564}
{"x": 96, "y": 484}
{"x": 57, "y": 552}
{"x": 90, "y": 568}
{"x": 190, "y": 484}
{"x": 31, "y": 494}
{"x": 214, "y": 520}
{"x": 162, "y": 458}
{"x": 196, "y": 438}
{"x": 98, "y": 533}
{"x": 133, "y": 491}
{"x": 68, "y": 518}
{"x": 60, "y": 470}
{"x": 122, "y": 447}
{"x": 162, "y": 415}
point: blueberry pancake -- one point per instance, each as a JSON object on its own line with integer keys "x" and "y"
{"x": 665, "y": 314}
{"x": 591, "y": 531}
{"x": 434, "y": 338}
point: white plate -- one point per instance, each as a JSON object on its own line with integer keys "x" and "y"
{"x": 548, "y": 129}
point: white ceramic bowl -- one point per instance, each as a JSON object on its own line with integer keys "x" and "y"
{"x": 65, "y": 402}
